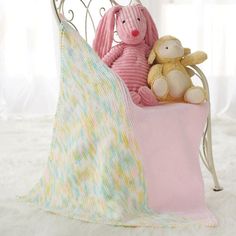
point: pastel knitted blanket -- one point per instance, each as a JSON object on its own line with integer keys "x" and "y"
{"x": 94, "y": 171}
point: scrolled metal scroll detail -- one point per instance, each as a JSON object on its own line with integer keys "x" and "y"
{"x": 59, "y": 8}
{"x": 69, "y": 14}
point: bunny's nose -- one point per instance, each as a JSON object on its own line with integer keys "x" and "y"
{"x": 135, "y": 33}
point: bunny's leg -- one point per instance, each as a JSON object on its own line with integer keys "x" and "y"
{"x": 147, "y": 96}
{"x": 135, "y": 97}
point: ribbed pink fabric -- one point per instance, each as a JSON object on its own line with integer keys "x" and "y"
{"x": 128, "y": 59}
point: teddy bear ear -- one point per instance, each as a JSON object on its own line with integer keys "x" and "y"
{"x": 187, "y": 51}
{"x": 152, "y": 57}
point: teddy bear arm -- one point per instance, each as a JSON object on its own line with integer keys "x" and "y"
{"x": 154, "y": 73}
{"x": 113, "y": 54}
{"x": 194, "y": 58}
{"x": 190, "y": 72}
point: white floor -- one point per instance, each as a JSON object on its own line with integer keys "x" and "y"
{"x": 24, "y": 147}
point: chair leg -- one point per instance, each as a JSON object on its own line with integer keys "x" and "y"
{"x": 206, "y": 152}
{"x": 207, "y": 155}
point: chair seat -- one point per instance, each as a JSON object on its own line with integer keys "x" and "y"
{"x": 169, "y": 138}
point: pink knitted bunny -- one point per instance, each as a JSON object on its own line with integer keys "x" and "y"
{"x": 128, "y": 59}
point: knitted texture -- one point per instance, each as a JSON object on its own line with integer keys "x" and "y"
{"x": 94, "y": 172}
{"x": 128, "y": 59}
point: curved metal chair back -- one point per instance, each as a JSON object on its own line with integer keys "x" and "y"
{"x": 86, "y": 18}
{"x": 89, "y": 13}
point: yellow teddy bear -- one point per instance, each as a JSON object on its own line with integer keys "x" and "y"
{"x": 170, "y": 78}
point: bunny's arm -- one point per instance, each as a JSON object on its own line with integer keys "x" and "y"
{"x": 147, "y": 50}
{"x": 113, "y": 54}
{"x": 154, "y": 73}
{"x": 194, "y": 58}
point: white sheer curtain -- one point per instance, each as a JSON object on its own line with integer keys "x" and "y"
{"x": 29, "y": 81}
{"x": 29, "y": 57}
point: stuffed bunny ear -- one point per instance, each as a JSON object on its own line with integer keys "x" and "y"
{"x": 105, "y": 31}
{"x": 152, "y": 57}
{"x": 151, "y": 34}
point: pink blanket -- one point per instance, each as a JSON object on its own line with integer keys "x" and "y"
{"x": 169, "y": 138}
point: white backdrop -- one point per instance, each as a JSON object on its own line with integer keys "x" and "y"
{"x": 29, "y": 81}
{"x": 29, "y": 78}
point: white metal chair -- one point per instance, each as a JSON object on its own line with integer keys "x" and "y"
{"x": 63, "y": 7}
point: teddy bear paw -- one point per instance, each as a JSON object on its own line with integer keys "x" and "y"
{"x": 160, "y": 87}
{"x": 195, "y": 95}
